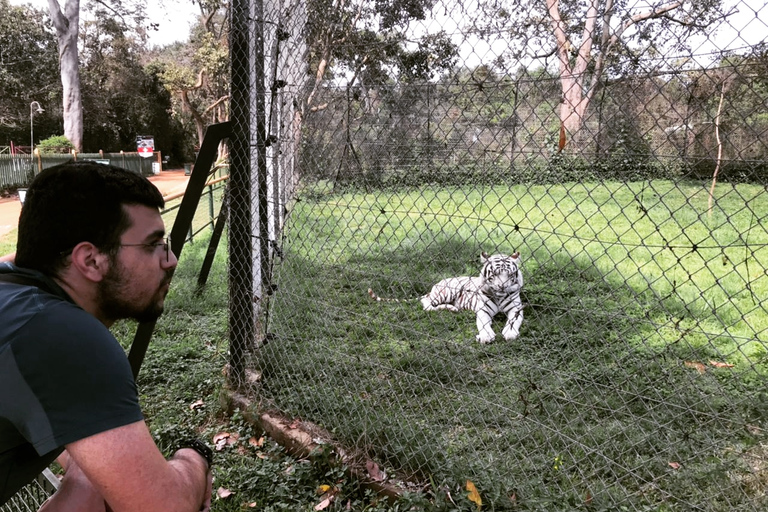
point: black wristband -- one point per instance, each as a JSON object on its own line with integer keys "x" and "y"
{"x": 201, "y": 448}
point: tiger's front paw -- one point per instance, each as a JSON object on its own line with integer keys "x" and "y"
{"x": 510, "y": 333}
{"x": 485, "y": 338}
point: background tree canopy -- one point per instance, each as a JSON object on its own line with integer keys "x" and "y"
{"x": 29, "y": 71}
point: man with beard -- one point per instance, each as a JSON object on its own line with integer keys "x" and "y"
{"x": 91, "y": 250}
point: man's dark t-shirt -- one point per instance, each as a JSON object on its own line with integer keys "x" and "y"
{"x": 63, "y": 377}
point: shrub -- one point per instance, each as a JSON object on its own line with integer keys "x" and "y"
{"x": 55, "y": 144}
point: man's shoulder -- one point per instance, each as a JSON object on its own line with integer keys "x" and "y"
{"x": 24, "y": 307}
{"x": 11, "y": 274}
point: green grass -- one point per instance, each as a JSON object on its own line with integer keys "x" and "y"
{"x": 8, "y": 242}
{"x": 629, "y": 289}
{"x": 184, "y": 365}
{"x": 586, "y": 411}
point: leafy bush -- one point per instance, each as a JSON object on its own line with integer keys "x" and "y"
{"x": 55, "y": 144}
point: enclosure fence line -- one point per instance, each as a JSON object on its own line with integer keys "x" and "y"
{"x": 618, "y": 153}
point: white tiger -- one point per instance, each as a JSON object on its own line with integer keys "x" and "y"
{"x": 496, "y": 290}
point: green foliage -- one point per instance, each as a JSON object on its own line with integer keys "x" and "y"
{"x": 131, "y": 99}
{"x": 55, "y": 144}
{"x": 28, "y": 72}
{"x": 559, "y": 169}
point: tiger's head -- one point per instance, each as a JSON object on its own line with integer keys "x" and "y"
{"x": 501, "y": 273}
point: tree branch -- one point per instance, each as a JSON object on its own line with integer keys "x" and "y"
{"x": 217, "y": 103}
{"x": 60, "y": 22}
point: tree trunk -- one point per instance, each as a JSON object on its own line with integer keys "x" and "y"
{"x": 67, "y": 26}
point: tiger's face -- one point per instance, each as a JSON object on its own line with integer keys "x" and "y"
{"x": 500, "y": 273}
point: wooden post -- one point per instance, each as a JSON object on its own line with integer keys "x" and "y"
{"x": 39, "y": 160}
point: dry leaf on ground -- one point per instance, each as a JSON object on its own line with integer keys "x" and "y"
{"x": 374, "y": 472}
{"x": 223, "y": 439}
{"x": 473, "y": 495}
{"x": 223, "y": 493}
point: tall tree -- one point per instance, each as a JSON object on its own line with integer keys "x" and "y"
{"x": 66, "y": 21}
{"x": 589, "y": 38}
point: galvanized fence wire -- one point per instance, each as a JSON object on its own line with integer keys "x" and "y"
{"x": 621, "y": 152}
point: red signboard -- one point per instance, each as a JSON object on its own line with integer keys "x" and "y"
{"x": 145, "y": 145}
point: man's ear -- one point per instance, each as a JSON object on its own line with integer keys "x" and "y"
{"x": 89, "y": 261}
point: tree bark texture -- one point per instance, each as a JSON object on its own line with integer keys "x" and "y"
{"x": 67, "y": 24}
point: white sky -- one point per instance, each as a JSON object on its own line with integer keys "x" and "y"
{"x": 174, "y": 17}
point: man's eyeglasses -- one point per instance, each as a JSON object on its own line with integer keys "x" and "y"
{"x": 164, "y": 243}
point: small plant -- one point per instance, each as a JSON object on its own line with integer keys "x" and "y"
{"x": 55, "y": 144}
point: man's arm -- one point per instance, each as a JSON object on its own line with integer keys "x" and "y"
{"x": 126, "y": 468}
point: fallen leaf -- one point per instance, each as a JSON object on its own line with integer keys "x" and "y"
{"x": 324, "y": 504}
{"x": 700, "y": 367}
{"x": 196, "y": 405}
{"x": 473, "y": 495}
{"x": 674, "y": 465}
{"x": 223, "y": 439}
{"x": 220, "y": 440}
{"x": 252, "y": 504}
{"x": 256, "y": 443}
{"x": 374, "y": 472}
{"x": 323, "y": 489}
{"x": 223, "y": 493}
{"x": 295, "y": 423}
{"x": 718, "y": 364}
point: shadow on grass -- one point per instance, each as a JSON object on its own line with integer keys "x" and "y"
{"x": 585, "y": 409}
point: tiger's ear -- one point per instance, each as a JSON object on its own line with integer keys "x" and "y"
{"x": 484, "y": 256}
{"x": 515, "y": 255}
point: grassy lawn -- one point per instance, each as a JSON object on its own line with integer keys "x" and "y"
{"x": 181, "y": 388}
{"x": 8, "y": 242}
{"x": 638, "y": 380}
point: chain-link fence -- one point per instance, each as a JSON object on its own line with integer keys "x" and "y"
{"x": 618, "y": 147}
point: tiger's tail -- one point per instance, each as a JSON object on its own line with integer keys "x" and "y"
{"x": 387, "y": 299}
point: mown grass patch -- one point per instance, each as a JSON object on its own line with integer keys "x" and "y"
{"x": 8, "y": 242}
{"x": 625, "y": 388}
{"x": 182, "y": 390}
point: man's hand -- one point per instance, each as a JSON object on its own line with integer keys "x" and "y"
{"x": 188, "y": 453}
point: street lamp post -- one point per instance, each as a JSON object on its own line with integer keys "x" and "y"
{"x": 32, "y": 111}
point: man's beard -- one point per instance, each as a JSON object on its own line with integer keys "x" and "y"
{"x": 114, "y": 304}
